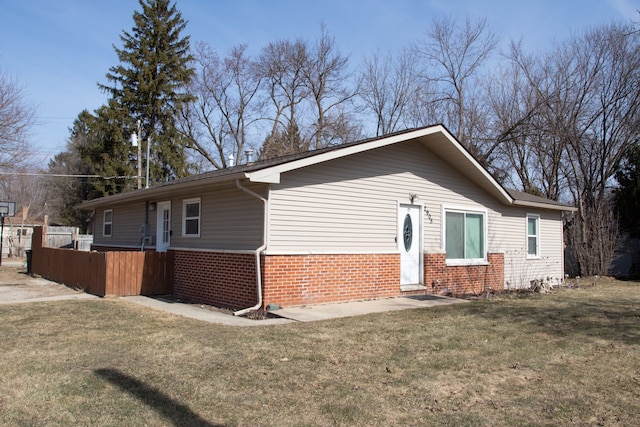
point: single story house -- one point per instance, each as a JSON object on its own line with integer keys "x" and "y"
{"x": 402, "y": 214}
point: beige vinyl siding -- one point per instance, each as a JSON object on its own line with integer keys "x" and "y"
{"x": 351, "y": 203}
{"x": 518, "y": 269}
{"x": 230, "y": 219}
{"x": 126, "y": 225}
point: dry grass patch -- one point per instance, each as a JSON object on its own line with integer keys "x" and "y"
{"x": 569, "y": 358}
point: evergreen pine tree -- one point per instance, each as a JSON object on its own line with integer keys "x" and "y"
{"x": 102, "y": 144}
{"x": 150, "y": 84}
{"x": 95, "y": 147}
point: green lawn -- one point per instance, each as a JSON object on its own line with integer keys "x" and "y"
{"x": 568, "y": 358}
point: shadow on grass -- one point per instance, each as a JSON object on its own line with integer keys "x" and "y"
{"x": 611, "y": 319}
{"x": 177, "y": 413}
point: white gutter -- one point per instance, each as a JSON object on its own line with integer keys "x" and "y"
{"x": 258, "y": 252}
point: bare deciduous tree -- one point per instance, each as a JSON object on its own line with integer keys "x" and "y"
{"x": 16, "y": 119}
{"x": 453, "y": 57}
{"x": 29, "y": 193}
{"x": 529, "y": 156}
{"x": 389, "y": 89}
{"x": 603, "y": 123}
{"x": 325, "y": 76}
{"x": 582, "y": 117}
{"x": 293, "y": 97}
{"x": 217, "y": 124}
{"x": 282, "y": 64}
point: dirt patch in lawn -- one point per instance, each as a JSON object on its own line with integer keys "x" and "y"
{"x": 16, "y": 285}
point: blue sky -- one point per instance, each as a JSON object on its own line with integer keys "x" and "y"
{"x": 59, "y": 50}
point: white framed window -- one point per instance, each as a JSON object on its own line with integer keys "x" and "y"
{"x": 464, "y": 236}
{"x": 107, "y": 223}
{"x": 191, "y": 217}
{"x": 533, "y": 236}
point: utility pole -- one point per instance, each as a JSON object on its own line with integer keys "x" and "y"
{"x": 148, "y": 158}
{"x": 139, "y": 155}
{"x": 1, "y": 236}
{"x": 136, "y": 141}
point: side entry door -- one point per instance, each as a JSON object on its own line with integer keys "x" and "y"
{"x": 163, "y": 232}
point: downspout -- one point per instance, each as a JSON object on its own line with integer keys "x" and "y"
{"x": 145, "y": 226}
{"x": 258, "y": 252}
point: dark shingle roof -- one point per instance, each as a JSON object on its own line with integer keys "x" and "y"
{"x": 263, "y": 164}
{"x": 526, "y": 197}
{"x": 239, "y": 171}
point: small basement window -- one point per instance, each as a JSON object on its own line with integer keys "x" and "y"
{"x": 191, "y": 217}
{"x": 107, "y": 223}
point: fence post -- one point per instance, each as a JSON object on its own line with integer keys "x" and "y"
{"x": 36, "y": 250}
{"x": 44, "y": 231}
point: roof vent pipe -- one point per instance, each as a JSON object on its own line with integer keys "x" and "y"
{"x": 231, "y": 160}
{"x": 249, "y": 156}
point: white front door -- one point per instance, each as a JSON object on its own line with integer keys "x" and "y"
{"x": 163, "y": 231}
{"x": 409, "y": 243}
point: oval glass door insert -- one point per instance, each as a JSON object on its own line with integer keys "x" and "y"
{"x": 407, "y": 232}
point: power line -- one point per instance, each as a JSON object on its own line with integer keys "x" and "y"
{"x": 58, "y": 175}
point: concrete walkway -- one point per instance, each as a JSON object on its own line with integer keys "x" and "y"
{"x": 77, "y": 296}
{"x": 17, "y": 287}
{"x": 347, "y": 309}
{"x": 194, "y": 311}
{"x": 309, "y": 313}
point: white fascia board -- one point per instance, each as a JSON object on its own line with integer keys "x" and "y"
{"x": 271, "y": 178}
{"x": 549, "y": 206}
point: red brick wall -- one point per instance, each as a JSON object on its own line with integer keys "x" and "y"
{"x": 228, "y": 279}
{"x": 463, "y": 280}
{"x": 221, "y": 279}
{"x": 314, "y": 279}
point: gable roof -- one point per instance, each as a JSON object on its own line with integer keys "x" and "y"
{"x": 436, "y": 138}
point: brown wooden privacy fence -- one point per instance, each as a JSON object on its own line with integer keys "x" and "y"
{"x": 104, "y": 273}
